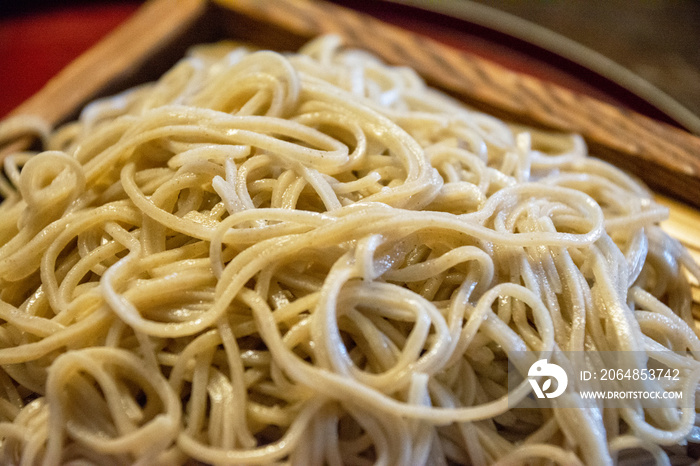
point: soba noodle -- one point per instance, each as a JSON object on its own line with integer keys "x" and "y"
{"x": 314, "y": 258}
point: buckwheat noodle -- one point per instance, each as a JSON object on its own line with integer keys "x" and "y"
{"x": 314, "y": 258}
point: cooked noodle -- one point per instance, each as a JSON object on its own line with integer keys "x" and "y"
{"x": 315, "y": 258}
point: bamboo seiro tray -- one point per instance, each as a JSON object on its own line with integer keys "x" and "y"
{"x": 146, "y": 45}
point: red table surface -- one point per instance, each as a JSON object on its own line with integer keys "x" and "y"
{"x": 36, "y": 45}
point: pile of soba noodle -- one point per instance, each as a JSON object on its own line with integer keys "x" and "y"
{"x": 314, "y": 258}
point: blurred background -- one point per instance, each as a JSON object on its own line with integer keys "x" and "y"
{"x": 658, "y": 40}
{"x": 655, "y": 40}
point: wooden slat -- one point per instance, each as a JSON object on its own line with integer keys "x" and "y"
{"x": 138, "y": 44}
{"x": 666, "y": 158}
{"x": 683, "y": 224}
